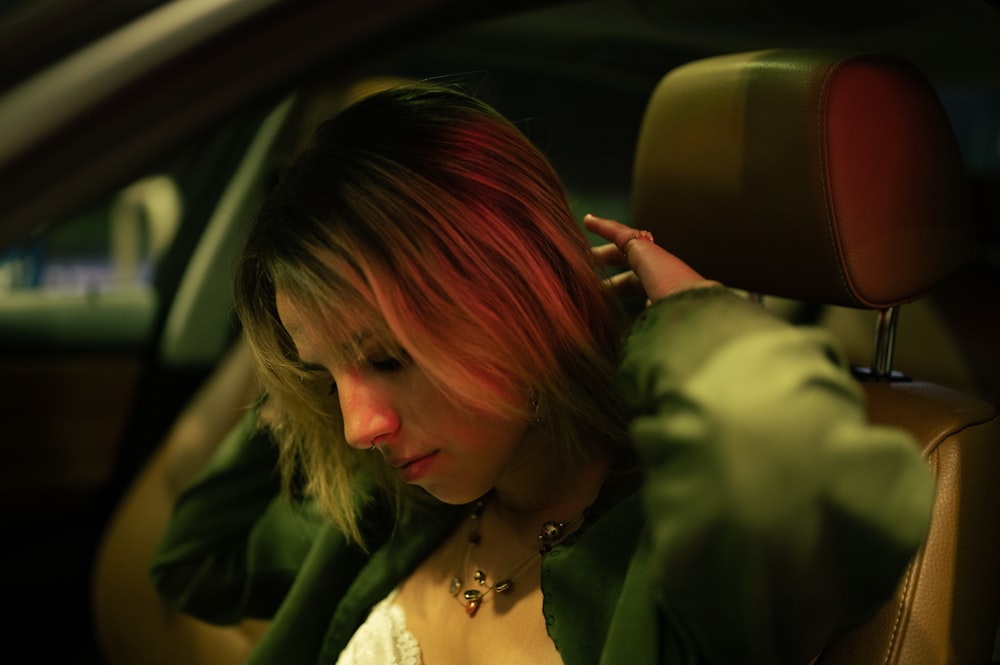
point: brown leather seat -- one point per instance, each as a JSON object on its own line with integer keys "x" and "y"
{"x": 834, "y": 178}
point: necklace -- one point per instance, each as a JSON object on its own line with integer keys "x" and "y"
{"x": 550, "y": 534}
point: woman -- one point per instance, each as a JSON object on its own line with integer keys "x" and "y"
{"x": 479, "y": 470}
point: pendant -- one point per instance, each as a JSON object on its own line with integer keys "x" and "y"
{"x": 503, "y": 585}
{"x": 455, "y": 585}
{"x": 472, "y": 601}
{"x": 480, "y": 577}
{"x": 551, "y": 531}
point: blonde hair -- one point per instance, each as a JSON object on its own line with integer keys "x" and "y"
{"x": 422, "y": 216}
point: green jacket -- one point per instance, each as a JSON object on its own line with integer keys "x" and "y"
{"x": 769, "y": 517}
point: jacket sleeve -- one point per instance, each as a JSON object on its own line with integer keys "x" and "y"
{"x": 234, "y": 543}
{"x": 778, "y": 515}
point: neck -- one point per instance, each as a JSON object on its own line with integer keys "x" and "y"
{"x": 541, "y": 486}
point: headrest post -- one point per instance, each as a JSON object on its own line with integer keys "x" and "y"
{"x": 885, "y": 340}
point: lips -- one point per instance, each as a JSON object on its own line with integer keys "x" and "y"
{"x": 412, "y": 469}
{"x": 400, "y": 462}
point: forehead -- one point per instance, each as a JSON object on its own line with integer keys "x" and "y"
{"x": 297, "y": 324}
{"x": 290, "y": 314}
{"x": 316, "y": 339}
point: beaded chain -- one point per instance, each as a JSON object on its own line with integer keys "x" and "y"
{"x": 550, "y": 533}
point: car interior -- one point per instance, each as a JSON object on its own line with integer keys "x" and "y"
{"x": 839, "y": 162}
{"x": 815, "y": 112}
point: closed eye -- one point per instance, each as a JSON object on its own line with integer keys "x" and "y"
{"x": 385, "y": 363}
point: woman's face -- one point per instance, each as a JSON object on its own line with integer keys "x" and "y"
{"x": 455, "y": 455}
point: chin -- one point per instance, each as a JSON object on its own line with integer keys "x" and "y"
{"x": 455, "y": 496}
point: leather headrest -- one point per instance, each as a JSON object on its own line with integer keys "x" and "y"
{"x": 803, "y": 174}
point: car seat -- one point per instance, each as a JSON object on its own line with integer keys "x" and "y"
{"x": 835, "y": 179}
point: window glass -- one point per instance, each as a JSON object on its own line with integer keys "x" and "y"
{"x": 975, "y": 117}
{"x": 113, "y": 248}
{"x": 90, "y": 281}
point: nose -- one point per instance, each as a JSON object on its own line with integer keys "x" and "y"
{"x": 366, "y": 406}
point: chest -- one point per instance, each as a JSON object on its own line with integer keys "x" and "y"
{"x": 507, "y": 628}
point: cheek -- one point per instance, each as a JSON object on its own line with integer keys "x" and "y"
{"x": 476, "y": 434}
{"x": 496, "y": 441}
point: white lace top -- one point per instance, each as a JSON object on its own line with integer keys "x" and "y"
{"x": 382, "y": 639}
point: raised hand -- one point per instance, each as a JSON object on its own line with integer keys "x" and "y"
{"x": 653, "y": 271}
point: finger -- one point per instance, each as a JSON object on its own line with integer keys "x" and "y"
{"x": 625, "y": 285}
{"x": 642, "y": 237}
{"x": 621, "y": 236}
{"x": 606, "y": 228}
{"x": 609, "y": 229}
{"x": 608, "y": 255}
{"x": 659, "y": 272}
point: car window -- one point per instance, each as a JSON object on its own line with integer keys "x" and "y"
{"x": 974, "y": 112}
{"x": 106, "y": 277}
{"x": 90, "y": 281}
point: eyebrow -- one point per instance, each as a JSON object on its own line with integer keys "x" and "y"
{"x": 358, "y": 340}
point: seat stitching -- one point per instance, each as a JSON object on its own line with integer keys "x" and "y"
{"x": 899, "y": 612}
{"x": 827, "y": 197}
{"x": 911, "y": 571}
